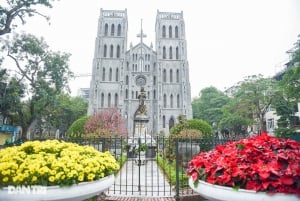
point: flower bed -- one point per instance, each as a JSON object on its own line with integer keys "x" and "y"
{"x": 261, "y": 163}
{"x": 53, "y": 162}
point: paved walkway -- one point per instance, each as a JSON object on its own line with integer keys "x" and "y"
{"x": 145, "y": 180}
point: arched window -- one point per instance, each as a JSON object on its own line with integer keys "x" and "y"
{"x": 177, "y": 75}
{"x": 109, "y": 100}
{"x": 116, "y": 100}
{"x": 176, "y": 32}
{"x": 118, "y": 51}
{"x": 170, "y": 53}
{"x": 132, "y": 95}
{"x": 164, "y": 121}
{"x": 170, "y": 31}
{"x": 104, "y": 51}
{"x": 171, "y": 101}
{"x": 126, "y": 80}
{"x": 178, "y": 101}
{"x": 132, "y": 57}
{"x": 164, "y": 52}
{"x": 171, "y": 75}
{"x": 164, "y": 75}
{"x": 126, "y": 93}
{"x": 164, "y": 31}
{"x": 154, "y": 80}
{"x": 106, "y": 30}
{"x": 117, "y": 75}
{"x": 103, "y": 74}
{"x": 165, "y": 100}
{"x": 110, "y": 75}
{"x": 154, "y": 94}
{"x": 111, "y": 54}
{"x": 177, "y": 53}
{"x": 119, "y": 30}
{"x": 112, "y": 31}
{"x": 102, "y": 100}
{"x": 171, "y": 122}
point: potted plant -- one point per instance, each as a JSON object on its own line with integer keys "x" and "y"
{"x": 258, "y": 168}
{"x": 54, "y": 170}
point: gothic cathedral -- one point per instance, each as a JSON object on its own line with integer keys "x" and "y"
{"x": 119, "y": 73}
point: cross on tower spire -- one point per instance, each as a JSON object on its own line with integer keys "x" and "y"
{"x": 141, "y": 35}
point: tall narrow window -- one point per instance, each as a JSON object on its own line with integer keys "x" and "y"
{"x": 170, "y": 53}
{"x": 176, "y": 32}
{"x": 112, "y": 31}
{"x": 103, "y": 74}
{"x": 171, "y": 122}
{"x": 104, "y": 51}
{"x": 178, "y": 101}
{"x": 171, "y": 101}
{"x": 116, "y": 100}
{"x": 177, "y": 53}
{"x": 118, "y": 51}
{"x": 109, "y": 100}
{"x": 165, "y": 100}
{"x": 164, "y": 121}
{"x": 170, "y": 31}
{"x": 164, "y": 75}
{"x": 154, "y": 94}
{"x": 117, "y": 75}
{"x": 171, "y": 75}
{"x": 132, "y": 95}
{"x": 111, "y": 54}
{"x": 119, "y": 30}
{"x": 154, "y": 80}
{"x": 110, "y": 75}
{"x": 164, "y": 31}
{"x": 126, "y": 80}
{"x": 106, "y": 30}
{"x": 126, "y": 93}
{"x": 164, "y": 52}
{"x": 102, "y": 100}
{"x": 177, "y": 75}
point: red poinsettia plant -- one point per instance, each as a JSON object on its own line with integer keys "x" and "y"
{"x": 261, "y": 163}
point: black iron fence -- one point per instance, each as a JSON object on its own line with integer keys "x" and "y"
{"x": 152, "y": 166}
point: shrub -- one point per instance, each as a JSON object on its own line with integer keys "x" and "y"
{"x": 77, "y": 128}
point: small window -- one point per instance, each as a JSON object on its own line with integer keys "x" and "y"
{"x": 119, "y": 30}
{"x": 177, "y": 53}
{"x": 118, "y": 51}
{"x": 176, "y": 32}
{"x": 164, "y": 31}
{"x": 102, "y": 100}
{"x": 104, "y": 51}
{"x": 171, "y": 75}
{"x": 170, "y": 31}
{"x": 164, "y": 52}
{"x": 110, "y": 74}
{"x": 112, "y": 32}
{"x": 117, "y": 75}
{"x": 109, "y": 100}
{"x": 165, "y": 100}
{"x": 103, "y": 74}
{"x": 106, "y": 30}
{"x": 111, "y": 51}
{"x": 164, "y": 75}
{"x": 170, "y": 53}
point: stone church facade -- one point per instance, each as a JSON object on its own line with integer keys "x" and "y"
{"x": 119, "y": 73}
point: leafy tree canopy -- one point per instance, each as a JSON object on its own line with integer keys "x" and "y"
{"x": 13, "y": 10}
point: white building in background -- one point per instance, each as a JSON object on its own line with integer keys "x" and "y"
{"x": 84, "y": 93}
{"x": 119, "y": 73}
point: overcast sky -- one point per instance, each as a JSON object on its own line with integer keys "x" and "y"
{"x": 226, "y": 39}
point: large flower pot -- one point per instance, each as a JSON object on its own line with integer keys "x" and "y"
{"x": 221, "y": 193}
{"x": 77, "y": 192}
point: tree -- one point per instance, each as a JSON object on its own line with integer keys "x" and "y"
{"x": 11, "y": 10}
{"x": 45, "y": 73}
{"x": 106, "y": 123}
{"x": 64, "y": 111}
{"x": 208, "y": 106}
{"x": 253, "y": 97}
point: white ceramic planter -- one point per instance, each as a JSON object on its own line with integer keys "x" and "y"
{"x": 77, "y": 192}
{"x": 221, "y": 193}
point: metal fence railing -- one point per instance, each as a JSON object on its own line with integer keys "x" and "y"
{"x": 151, "y": 166}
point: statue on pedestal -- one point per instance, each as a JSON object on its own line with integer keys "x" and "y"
{"x": 142, "y": 110}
